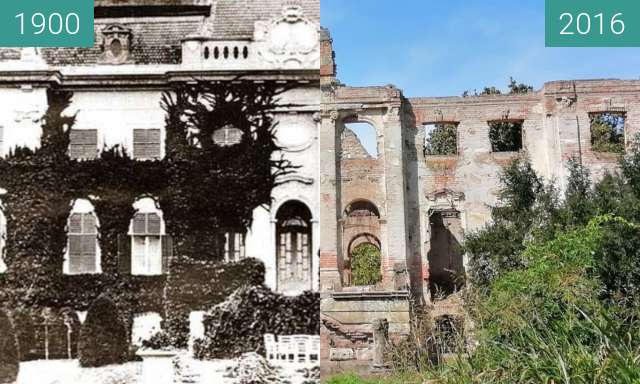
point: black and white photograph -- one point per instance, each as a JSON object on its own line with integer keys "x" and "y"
{"x": 159, "y": 198}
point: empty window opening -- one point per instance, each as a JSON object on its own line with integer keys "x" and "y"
{"x": 441, "y": 139}
{"x": 361, "y": 264}
{"x": 448, "y": 335}
{"x": 446, "y": 269}
{"x": 365, "y": 265}
{"x": 359, "y": 141}
{"x": 505, "y": 135}
{"x": 607, "y": 132}
{"x": 293, "y": 242}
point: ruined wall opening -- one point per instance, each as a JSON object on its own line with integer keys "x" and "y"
{"x": 365, "y": 260}
{"x": 607, "y": 132}
{"x": 293, "y": 239}
{"x": 448, "y": 335}
{"x": 505, "y": 135}
{"x": 446, "y": 266}
{"x": 441, "y": 139}
{"x": 359, "y": 141}
{"x": 361, "y": 231}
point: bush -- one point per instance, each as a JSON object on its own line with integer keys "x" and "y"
{"x": 9, "y": 358}
{"x": 365, "y": 265}
{"x": 103, "y": 337}
{"x": 237, "y": 325}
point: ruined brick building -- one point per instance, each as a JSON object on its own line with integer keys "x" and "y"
{"x": 415, "y": 206}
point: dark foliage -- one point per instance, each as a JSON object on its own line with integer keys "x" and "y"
{"x": 103, "y": 337}
{"x": 607, "y": 132}
{"x": 42, "y": 184}
{"x": 443, "y": 140}
{"x": 497, "y": 247}
{"x": 9, "y": 357}
{"x": 505, "y": 136}
{"x": 237, "y": 325}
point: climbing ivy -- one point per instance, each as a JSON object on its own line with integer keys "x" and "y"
{"x": 201, "y": 188}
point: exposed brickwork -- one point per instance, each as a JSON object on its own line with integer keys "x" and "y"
{"x": 408, "y": 186}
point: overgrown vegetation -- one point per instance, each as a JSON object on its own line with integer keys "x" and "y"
{"x": 505, "y": 136}
{"x": 607, "y": 132}
{"x": 237, "y": 325}
{"x": 555, "y": 295}
{"x": 515, "y": 88}
{"x": 365, "y": 265}
{"x": 442, "y": 140}
{"x": 41, "y": 185}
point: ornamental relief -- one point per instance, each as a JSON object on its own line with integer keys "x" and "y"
{"x": 290, "y": 40}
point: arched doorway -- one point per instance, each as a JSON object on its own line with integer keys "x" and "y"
{"x": 293, "y": 244}
{"x": 365, "y": 264}
{"x": 361, "y": 226}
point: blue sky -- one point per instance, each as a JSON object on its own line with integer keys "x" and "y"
{"x": 442, "y": 48}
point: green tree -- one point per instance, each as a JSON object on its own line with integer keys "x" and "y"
{"x": 442, "y": 140}
{"x": 365, "y": 265}
{"x": 607, "y": 132}
{"x": 505, "y": 136}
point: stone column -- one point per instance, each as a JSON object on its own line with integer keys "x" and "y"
{"x": 329, "y": 201}
{"x": 380, "y": 342}
{"x": 395, "y": 194}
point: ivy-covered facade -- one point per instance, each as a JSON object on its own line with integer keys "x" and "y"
{"x": 154, "y": 175}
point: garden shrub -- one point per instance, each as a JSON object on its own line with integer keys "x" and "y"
{"x": 103, "y": 337}
{"x": 9, "y": 352}
{"x": 237, "y": 325}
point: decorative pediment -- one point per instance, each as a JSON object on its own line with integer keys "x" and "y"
{"x": 445, "y": 199}
{"x": 116, "y": 44}
{"x": 290, "y": 40}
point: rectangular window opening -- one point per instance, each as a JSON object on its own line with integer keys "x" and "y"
{"x": 506, "y": 135}
{"x": 441, "y": 139}
{"x": 607, "y": 132}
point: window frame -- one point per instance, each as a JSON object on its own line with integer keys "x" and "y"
{"x": 522, "y": 135}
{"x": 83, "y": 207}
{"x": 147, "y": 131}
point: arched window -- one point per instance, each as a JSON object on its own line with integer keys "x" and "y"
{"x": 149, "y": 245}
{"x": 293, "y": 241}
{"x": 365, "y": 263}
{"x": 83, "y": 251}
{"x": 359, "y": 141}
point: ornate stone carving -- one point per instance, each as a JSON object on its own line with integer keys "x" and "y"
{"x": 291, "y": 40}
{"x": 116, "y": 44}
{"x": 566, "y": 101}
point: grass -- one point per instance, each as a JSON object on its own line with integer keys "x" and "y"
{"x": 352, "y": 378}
